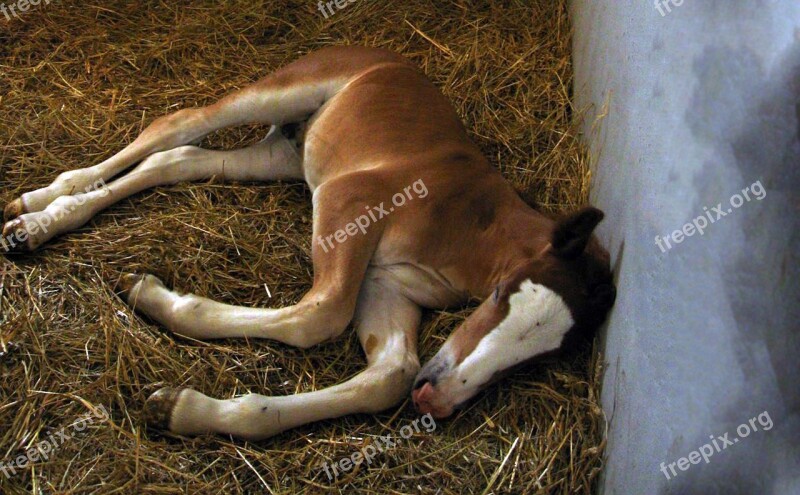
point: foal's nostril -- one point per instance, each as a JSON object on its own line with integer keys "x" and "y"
{"x": 422, "y": 381}
{"x": 419, "y": 383}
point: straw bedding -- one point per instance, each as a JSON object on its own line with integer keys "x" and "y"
{"x": 80, "y": 80}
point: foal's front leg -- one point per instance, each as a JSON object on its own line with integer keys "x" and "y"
{"x": 386, "y": 322}
{"x": 323, "y": 313}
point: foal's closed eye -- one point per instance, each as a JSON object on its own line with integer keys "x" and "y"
{"x": 499, "y": 291}
{"x": 604, "y": 295}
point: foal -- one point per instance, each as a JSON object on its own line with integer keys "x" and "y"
{"x": 364, "y": 129}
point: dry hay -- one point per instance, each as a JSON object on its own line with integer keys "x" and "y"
{"x": 80, "y": 80}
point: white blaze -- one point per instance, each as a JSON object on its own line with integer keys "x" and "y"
{"x": 536, "y": 323}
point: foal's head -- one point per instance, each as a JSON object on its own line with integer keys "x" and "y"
{"x": 565, "y": 288}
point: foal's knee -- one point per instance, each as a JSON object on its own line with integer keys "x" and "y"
{"x": 390, "y": 381}
{"x": 322, "y": 319}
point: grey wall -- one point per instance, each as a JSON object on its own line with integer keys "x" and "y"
{"x": 702, "y": 102}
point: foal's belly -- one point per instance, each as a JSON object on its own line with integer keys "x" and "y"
{"x": 424, "y": 286}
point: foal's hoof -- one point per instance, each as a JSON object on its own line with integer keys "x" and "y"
{"x": 125, "y": 285}
{"x": 159, "y": 407}
{"x": 15, "y": 237}
{"x": 13, "y": 210}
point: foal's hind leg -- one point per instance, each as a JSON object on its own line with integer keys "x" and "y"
{"x": 274, "y": 157}
{"x": 165, "y": 133}
{"x": 288, "y": 95}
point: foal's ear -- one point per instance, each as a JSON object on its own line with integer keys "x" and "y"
{"x": 572, "y": 233}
